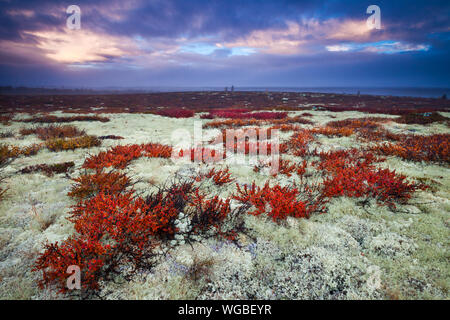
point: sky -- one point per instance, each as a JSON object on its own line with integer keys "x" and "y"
{"x": 145, "y": 43}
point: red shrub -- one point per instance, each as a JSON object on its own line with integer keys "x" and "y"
{"x": 286, "y": 167}
{"x": 301, "y": 168}
{"x": 119, "y": 156}
{"x": 331, "y": 132}
{"x": 245, "y": 114}
{"x": 89, "y": 185}
{"x": 332, "y": 161}
{"x": 381, "y": 184}
{"x": 156, "y": 150}
{"x": 111, "y": 230}
{"x": 175, "y": 113}
{"x": 89, "y": 255}
{"x": 52, "y": 132}
{"x": 209, "y": 213}
{"x": 233, "y": 123}
{"x": 281, "y": 202}
{"x": 418, "y": 148}
{"x": 220, "y": 177}
{"x": 5, "y": 119}
{"x": 298, "y": 143}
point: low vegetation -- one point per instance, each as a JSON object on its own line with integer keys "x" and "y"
{"x": 349, "y": 194}
{"x": 49, "y": 170}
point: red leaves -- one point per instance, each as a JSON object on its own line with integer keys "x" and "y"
{"x": 245, "y": 114}
{"x": 52, "y": 131}
{"x": 209, "y": 212}
{"x": 114, "y": 227}
{"x": 280, "y": 202}
{"x": 111, "y": 229}
{"x": 418, "y": 148}
{"x": 331, "y": 132}
{"x": 298, "y": 143}
{"x": 156, "y": 150}
{"x": 256, "y": 121}
{"x": 334, "y": 160}
{"x": 301, "y": 168}
{"x": 119, "y": 156}
{"x": 220, "y": 177}
{"x": 176, "y": 113}
{"x": 353, "y": 174}
{"x": 88, "y": 185}
{"x": 88, "y": 255}
{"x": 286, "y": 167}
{"x": 382, "y": 184}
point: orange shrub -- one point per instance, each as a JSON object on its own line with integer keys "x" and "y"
{"x": 119, "y": 156}
{"x": 359, "y": 123}
{"x": 330, "y": 131}
{"x": 60, "y": 144}
{"x": 30, "y": 150}
{"x": 89, "y": 185}
{"x": 298, "y": 143}
{"x": 286, "y": 127}
{"x": 156, "y": 150}
{"x": 418, "y": 148}
{"x": 11, "y": 152}
{"x": 8, "y": 152}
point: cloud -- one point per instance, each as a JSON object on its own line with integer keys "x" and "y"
{"x": 299, "y": 38}
{"x": 258, "y": 41}
{"x": 82, "y": 46}
{"x": 387, "y": 47}
{"x": 338, "y": 48}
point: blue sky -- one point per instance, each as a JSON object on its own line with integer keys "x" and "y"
{"x": 141, "y": 43}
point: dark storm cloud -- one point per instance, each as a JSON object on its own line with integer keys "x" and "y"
{"x": 161, "y": 58}
{"x": 233, "y": 18}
